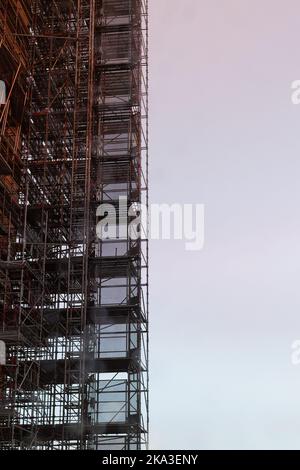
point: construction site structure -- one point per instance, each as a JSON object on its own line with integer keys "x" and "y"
{"x": 73, "y": 305}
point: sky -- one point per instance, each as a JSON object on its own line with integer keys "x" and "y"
{"x": 224, "y": 133}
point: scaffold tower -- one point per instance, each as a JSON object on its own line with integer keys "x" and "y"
{"x": 73, "y": 306}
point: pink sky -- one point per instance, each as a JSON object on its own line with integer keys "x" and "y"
{"x": 224, "y": 133}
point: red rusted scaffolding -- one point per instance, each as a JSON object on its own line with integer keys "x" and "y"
{"x": 73, "y": 307}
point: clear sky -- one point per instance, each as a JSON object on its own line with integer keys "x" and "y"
{"x": 224, "y": 133}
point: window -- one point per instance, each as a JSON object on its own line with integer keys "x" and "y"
{"x": 2, "y": 92}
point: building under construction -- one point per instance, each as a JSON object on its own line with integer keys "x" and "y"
{"x": 73, "y": 305}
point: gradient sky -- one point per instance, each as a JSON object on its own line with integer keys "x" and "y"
{"x": 224, "y": 133}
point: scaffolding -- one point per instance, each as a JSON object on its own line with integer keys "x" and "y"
{"x": 74, "y": 307}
